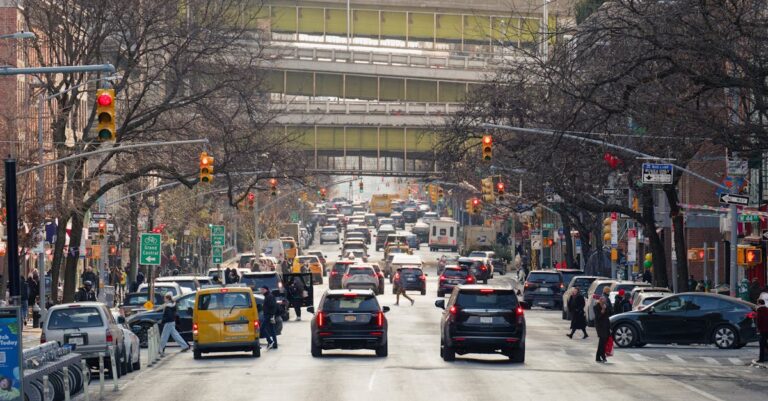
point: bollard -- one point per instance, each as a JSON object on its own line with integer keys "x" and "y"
{"x": 113, "y": 362}
{"x": 159, "y": 353}
{"x": 86, "y": 380}
{"x": 101, "y": 375}
{"x": 150, "y": 347}
{"x": 65, "y": 371}
{"x": 46, "y": 392}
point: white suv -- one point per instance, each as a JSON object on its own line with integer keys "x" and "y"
{"x": 329, "y": 234}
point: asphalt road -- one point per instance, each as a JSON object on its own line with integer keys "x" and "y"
{"x": 555, "y": 368}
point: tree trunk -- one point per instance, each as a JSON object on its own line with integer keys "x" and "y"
{"x": 569, "y": 259}
{"x": 58, "y": 256}
{"x": 681, "y": 248}
{"x": 660, "y": 278}
{"x": 70, "y": 271}
{"x": 133, "y": 241}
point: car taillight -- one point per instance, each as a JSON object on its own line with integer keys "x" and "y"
{"x": 256, "y": 324}
{"x": 380, "y": 274}
{"x": 194, "y": 328}
{"x": 527, "y": 284}
{"x": 347, "y": 276}
{"x": 42, "y": 338}
{"x": 423, "y": 277}
{"x": 562, "y": 286}
{"x": 320, "y": 319}
{"x": 470, "y": 279}
{"x": 109, "y": 336}
{"x": 519, "y": 314}
{"x": 454, "y": 310}
{"x": 442, "y": 277}
{"x": 483, "y": 268}
{"x": 380, "y": 319}
{"x": 752, "y": 315}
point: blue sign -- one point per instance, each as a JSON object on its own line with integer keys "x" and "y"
{"x": 10, "y": 354}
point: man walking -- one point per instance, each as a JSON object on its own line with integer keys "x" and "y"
{"x": 85, "y": 293}
{"x": 169, "y": 326}
{"x": 762, "y": 328}
{"x": 270, "y": 314}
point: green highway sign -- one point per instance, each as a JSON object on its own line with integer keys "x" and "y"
{"x": 749, "y": 218}
{"x": 217, "y": 255}
{"x": 294, "y": 217}
{"x": 217, "y": 236}
{"x": 149, "y": 249}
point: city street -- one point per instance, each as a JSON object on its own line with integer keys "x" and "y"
{"x": 555, "y": 366}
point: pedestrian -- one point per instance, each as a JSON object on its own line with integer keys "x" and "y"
{"x": 647, "y": 277}
{"x": 576, "y": 305}
{"x": 691, "y": 283}
{"x": 619, "y": 302}
{"x": 297, "y": 292}
{"x": 227, "y": 276}
{"x": 89, "y": 275}
{"x": 607, "y": 297}
{"x": 33, "y": 286}
{"x": 762, "y": 328}
{"x": 754, "y": 290}
{"x": 24, "y": 292}
{"x": 270, "y": 316}
{"x": 85, "y": 293}
{"x": 400, "y": 290}
{"x": 764, "y": 295}
{"x": 602, "y": 327}
{"x": 700, "y": 286}
{"x": 169, "y": 326}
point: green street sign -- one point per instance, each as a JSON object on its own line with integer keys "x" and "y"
{"x": 217, "y": 236}
{"x": 149, "y": 249}
{"x": 294, "y": 217}
{"x": 217, "y": 255}
{"x": 549, "y": 225}
{"x": 749, "y": 218}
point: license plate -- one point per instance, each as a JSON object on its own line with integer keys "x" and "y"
{"x": 237, "y": 328}
{"x": 76, "y": 340}
{"x": 350, "y": 318}
{"x": 486, "y": 320}
{"x": 543, "y": 289}
{"x": 411, "y": 279}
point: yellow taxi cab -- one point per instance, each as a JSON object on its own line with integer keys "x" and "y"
{"x": 290, "y": 249}
{"x": 315, "y": 267}
{"x": 225, "y": 319}
{"x": 397, "y": 248}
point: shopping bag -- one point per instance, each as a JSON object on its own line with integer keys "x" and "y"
{"x": 609, "y": 347}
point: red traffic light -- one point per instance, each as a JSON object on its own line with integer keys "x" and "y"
{"x": 273, "y": 181}
{"x": 104, "y": 100}
{"x": 751, "y": 256}
{"x": 475, "y": 202}
{"x": 487, "y": 139}
{"x": 251, "y": 196}
{"x": 500, "y": 187}
{"x": 701, "y": 254}
{"x": 102, "y": 224}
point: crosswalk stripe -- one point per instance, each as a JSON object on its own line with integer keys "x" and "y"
{"x": 638, "y": 357}
{"x": 710, "y": 360}
{"x": 676, "y": 358}
{"x": 736, "y": 361}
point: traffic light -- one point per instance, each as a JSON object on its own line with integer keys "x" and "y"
{"x": 361, "y": 186}
{"x": 251, "y": 200}
{"x": 476, "y": 206}
{"x": 440, "y": 193}
{"x": 273, "y": 186}
{"x": 102, "y": 229}
{"x": 105, "y": 113}
{"x": 323, "y": 193}
{"x": 695, "y": 254}
{"x": 486, "y": 188}
{"x": 749, "y": 255}
{"x": 500, "y": 189}
{"x": 607, "y": 229}
{"x": 433, "y": 193}
{"x": 113, "y": 250}
{"x": 206, "y": 167}
{"x": 468, "y": 206}
{"x": 487, "y": 147}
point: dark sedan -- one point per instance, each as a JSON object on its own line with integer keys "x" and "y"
{"x": 141, "y": 322}
{"x": 349, "y": 319}
{"x": 688, "y": 318}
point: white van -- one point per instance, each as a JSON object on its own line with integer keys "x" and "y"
{"x": 443, "y": 234}
{"x": 401, "y": 260}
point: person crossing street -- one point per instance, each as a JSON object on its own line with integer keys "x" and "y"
{"x": 576, "y": 305}
{"x": 169, "y": 326}
{"x": 270, "y": 314}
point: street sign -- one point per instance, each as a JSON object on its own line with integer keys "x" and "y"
{"x": 657, "y": 173}
{"x": 732, "y": 199}
{"x": 294, "y": 217}
{"x": 536, "y": 239}
{"x": 100, "y": 216}
{"x": 765, "y": 235}
{"x": 217, "y": 235}
{"x": 738, "y": 167}
{"x": 549, "y": 225}
{"x": 749, "y": 218}
{"x": 610, "y": 191}
{"x": 217, "y": 255}
{"x": 149, "y": 249}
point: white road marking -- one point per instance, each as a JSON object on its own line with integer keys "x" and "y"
{"x": 676, "y": 358}
{"x": 370, "y": 382}
{"x": 710, "y": 360}
{"x": 638, "y": 357}
{"x": 736, "y": 361}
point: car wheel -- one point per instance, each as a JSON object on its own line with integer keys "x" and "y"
{"x": 485, "y": 281}
{"x": 440, "y": 294}
{"x": 449, "y": 354}
{"x": 382, "y": 351}
{"x": 625, "y": 335}
{"x": 724, "y": 337}
{"x": 317, "y": 352}
{"x": 128, "y": 363}
{"x": 256, "y": 351}
{"x": 137, "y": 365}
{"x": 196, "y": 354}
{"x": 517, "y": 355}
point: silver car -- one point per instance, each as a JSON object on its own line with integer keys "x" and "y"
{"x": 131, "y": 343}
{"x": 89, "y": 328}
{"x": 360, "y": 276}
{"x": 329, "y": 234}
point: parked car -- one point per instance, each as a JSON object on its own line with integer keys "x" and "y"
{"x": 639, "y": 290}
{"x": 89, "y": 328}
{"x": 140, "y": 323}
{"x": 133, "y": 302}
{"x": 643, "y": 299}
{"x": 360, "y": 276}
{"x": 482, "y": 319}
{"x": 688, "y": 318}
{"x": 349, "y": 320}
{"x": 131, "y": 344}
{"x": 544, "y": 288}
{"x": 580, "y": 282}
{"x": 627, "y": 286}
{"x": 452, "y": 276}
{"x": 594, "y": 293}
{"x": 410, "y": 278}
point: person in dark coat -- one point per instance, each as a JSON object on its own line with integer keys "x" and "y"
{"x": 270, "y": 316}
{"x": 762, "y": 328}
{"x": 603, "y": 328}
{"x": 647, "y": 277}
{"x": 576, "y": 305}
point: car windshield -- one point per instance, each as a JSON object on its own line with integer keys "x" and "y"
{"x": 582, "y": 283}
{"x": 307, "y": 259}
{"x": 548, "y": 278}
{"x": 415, "y": 272}
{"x": 455, "y": 273}
{"x": 329, "y": 229}
{"x": 258, "y": 281}
{"x": 360, "y": 270}
{"x": 477, "y": 254}
{"x": 486, "y": 300}
{"x": 74, "y": 318}
{"x": 225, "y": 300}
{"x": 358, "y": 303}
{"x": 188, "y": 284}
{"x": 625, "y": 287}
{"x": 162, "y": 290}
{"x": 340, "y": 267}
{"x": 136, "y": 299}
{"x": 567, "y": 276}
{"x": 466, "y": 263}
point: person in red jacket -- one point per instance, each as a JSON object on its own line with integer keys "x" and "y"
{"x": 762, "y": 327}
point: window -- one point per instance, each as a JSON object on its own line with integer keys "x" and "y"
{"x": 184, "y": 303}
{"x": 452, "y": 232}
{"x": 225, "y": 300}
{"x": 74, "y": 318}
{"x": 360, "y": 270}
{"x": 704, "y": 303}
{"x": 673, "y": 304}
{"x": 544, "y": 278}
{"x": 351, "y": 304}
{"x": 443, "y": 232}
{"x": 434, "y": 230}
{"x": 455, "y": 273}
{"x": 258, "y": 281}
{"x": 494, "y": 300}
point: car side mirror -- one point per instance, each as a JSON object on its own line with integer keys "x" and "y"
{"x": 440, "y": 303}
{"x": 385, "y": 309}
{"x": 121, "y": 319}
{"x": 311, "y": 309}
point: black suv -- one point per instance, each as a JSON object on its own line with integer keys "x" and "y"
{"x": 337, "y": 273}
{"x": 451, "y": 277}
{"x": 476, "y": 267}
{"x": 544, "y": 288}
{"x": 411, "y": 279}
{"x": 349, "y": 319}
{"x": 482, "y": 319}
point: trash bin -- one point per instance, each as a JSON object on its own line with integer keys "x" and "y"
{"x": 36, "y": 316}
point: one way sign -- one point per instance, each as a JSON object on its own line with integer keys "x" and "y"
{"x": 739, "y": 200}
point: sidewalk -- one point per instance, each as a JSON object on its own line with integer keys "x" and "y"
{"x": 30, "y": 336}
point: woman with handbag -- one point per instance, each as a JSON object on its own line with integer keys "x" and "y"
{"x": 603, "y": 328}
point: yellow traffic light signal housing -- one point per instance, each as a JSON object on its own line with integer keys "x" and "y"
{"x": 273, "y": 186}
{"x": 440, "y": 193}
{"x": 105, "y": 113}
{"x": 487, "y": 147}
{"x": 206, "y": 167}
{"x": 102, "y": 229}
{"x": 486, "y": 188}
{"x": 749, "y": 255}
{"x": 607, "y": 229}
{"x": 468, "y": 206}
